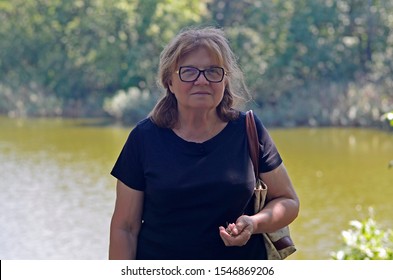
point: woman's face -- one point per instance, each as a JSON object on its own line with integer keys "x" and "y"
{"x": 200, "y": 94}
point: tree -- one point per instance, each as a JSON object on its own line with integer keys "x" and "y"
{"x": 83, "y": 51}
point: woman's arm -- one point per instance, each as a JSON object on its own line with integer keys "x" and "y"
{"x": 126, "y": 222}
{"x": 282, "y": 207}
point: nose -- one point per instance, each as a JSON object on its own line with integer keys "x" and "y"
{"x": 201, "y": 79}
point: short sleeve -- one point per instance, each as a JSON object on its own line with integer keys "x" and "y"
{"x": 269, "y": 157}
{"x": 128, "y": 167}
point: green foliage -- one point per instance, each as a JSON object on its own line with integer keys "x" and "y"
{"x": 28, "y": 101}
{"x": 86, "y": 49}
{"x": 388, "y": 118}
{"x": 365, "y": 241}
{"x": 292, "y": 51}
{"x": 129, "y": 106}
{"x": 284, "y": 44}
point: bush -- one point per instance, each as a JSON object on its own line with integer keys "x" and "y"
{"x": 387, "y": 119}
{"x": 365, "y": 241}
{"x": 30, "y": 100}
{"x": 129, "y": 106}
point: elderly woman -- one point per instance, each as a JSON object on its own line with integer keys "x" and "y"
{"x": 185, "y": 179}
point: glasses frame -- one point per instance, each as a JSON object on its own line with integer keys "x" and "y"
{"x": 224, "y": 73}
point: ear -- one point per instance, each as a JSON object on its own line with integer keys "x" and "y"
{"x": 225, "y": 84}
{"x": 170, "y": 85}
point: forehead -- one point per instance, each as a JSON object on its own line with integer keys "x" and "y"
{"x": 200, "y": 56}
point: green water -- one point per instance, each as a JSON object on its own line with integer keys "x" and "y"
{"x": 57, "y": 195}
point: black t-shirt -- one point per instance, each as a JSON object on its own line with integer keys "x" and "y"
{"x": 190, "y": 189}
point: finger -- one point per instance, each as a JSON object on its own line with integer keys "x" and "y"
{"x": 225, "y": 232}
{"x": 230, "y": 239}
{"x": 235, "y": 231}
{"x": 244, "y": 224}
{"x": 241, "y": 239}
{"x": 224, "y": 236}
{"x": 241, "y": 224}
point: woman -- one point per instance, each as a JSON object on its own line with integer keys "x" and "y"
{"x": 185, "y": 178}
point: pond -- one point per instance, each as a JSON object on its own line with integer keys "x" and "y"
{"x": 57, "y": 196}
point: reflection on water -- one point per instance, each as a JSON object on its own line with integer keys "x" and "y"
{"x": 57, "y": 195}
{"x": 56, "y": 192}
{"x": 338, "y": 174}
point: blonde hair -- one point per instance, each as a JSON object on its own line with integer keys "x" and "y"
{"x": 165, "y": 112}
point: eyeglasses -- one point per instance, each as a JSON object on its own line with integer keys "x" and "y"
{"x": 191, "y": 74}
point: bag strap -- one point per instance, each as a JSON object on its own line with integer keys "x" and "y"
{"x": 253, "y": 143}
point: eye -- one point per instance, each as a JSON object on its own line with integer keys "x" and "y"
{"x": 214, "y": 71}
{"x": 189, "y": 71}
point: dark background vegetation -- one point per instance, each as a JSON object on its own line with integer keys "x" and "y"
{"x": 307, "y": 62}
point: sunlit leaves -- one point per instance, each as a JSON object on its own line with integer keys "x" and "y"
{"x": 365, "y": 240}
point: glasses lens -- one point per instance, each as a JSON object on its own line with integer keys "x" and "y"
{"x": 188, "y": 74}
{"x": 214, "y": 74}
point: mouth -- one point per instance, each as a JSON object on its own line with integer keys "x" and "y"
{"x": 200, "y": 93}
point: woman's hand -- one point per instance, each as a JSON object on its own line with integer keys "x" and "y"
{"x": 237, "y": 234}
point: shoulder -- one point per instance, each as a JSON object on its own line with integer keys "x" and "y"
{"x": 241, "y": 119}
{"x": 240, "y": 123}
{"x": 242, "y": 116}
{"x": 142, "y": 130}
{"x": 144, "y": 126}
{"x": 261, "y": 129}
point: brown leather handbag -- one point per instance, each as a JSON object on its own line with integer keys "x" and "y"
{"x": 279, "y": 244}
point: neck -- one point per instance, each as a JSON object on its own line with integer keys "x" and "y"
{"x": 198, "y": 127}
